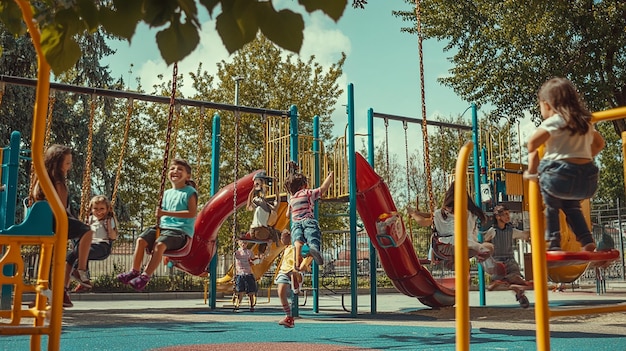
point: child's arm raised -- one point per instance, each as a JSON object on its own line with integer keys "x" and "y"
{"x": 327, "y": 182}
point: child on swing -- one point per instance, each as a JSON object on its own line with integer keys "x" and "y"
{"x": 104, "y": 226}
{"x": 177, "y": 218}
{"x": 260, "y": 228}
{"x": 304, "y": 227}
{"x": 58, "y": 162}
{"x": 443, "y": 222}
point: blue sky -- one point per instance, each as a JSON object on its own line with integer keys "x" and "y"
{"x": 382, "y": 63}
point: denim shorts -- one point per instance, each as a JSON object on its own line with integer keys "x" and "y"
{"x": 306, "y": 231}
{"x": 282, "y": 278}
{"x": 245, "y": 283}
{"x": 568, "y": 181}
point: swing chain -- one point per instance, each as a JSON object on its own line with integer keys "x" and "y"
{"x": 129, "y": 113}
{"x": 420, "y": 39}
{"x": 168, "y": 134}
{"x": 387, "y": 145}
{"x": 86, "y": 188}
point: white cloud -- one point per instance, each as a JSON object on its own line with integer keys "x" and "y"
{"x": 209, "y": 52}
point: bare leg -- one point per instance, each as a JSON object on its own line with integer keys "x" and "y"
{"x": 298, "y": 245}
{"x": 84, "y": 244}
{"x": 66, "y": 279}
{"x": 155, "y": 260}
{"x": 140, "y": 250}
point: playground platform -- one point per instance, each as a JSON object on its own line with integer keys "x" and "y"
{"x": 182, "y": 321}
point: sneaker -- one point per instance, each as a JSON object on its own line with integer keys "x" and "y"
{"x": 554, "y": 240}
{"x": 128, "y": 276}
{"x": 251, "y": 309}
{"x": 317, "y": 257}
{"x": 81, "y": 289}
{"x": 82, "y": 277}
{"x": 287, "y": 322}
{"x": 522, "y": 299}
{"x": 139, "y": 283}
{"x": 554, "y": 246}
{"x": 67, "y": 302}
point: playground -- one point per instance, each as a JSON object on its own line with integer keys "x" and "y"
{"x": 422, "y": 312}
{"x": 184, "y": 322}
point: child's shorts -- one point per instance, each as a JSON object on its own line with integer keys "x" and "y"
{"x": 245, "y": 283}
{"x": 172, "y": 238}
{"x": 282, "y": 278}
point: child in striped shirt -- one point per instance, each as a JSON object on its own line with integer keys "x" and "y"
{"x": 304, "y": 227}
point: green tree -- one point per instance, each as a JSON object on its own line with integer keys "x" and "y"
{"x": 70, "y": 113}
{"x": 270, "y": 79}
{"x": 502, "y": 52}
{"x": 611, "y": 162}
{"x": 238, "y": 23}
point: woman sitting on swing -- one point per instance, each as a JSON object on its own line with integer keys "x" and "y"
{"x": 443, "y": 228}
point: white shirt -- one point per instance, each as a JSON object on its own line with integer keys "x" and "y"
{"x": 445, "y": 228}
{"x": 561, "y": 144}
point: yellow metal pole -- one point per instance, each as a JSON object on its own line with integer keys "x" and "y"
{"x": 38, "y": 136}
{"x": 540, "y": 271}
{"x": 461, "y": 259}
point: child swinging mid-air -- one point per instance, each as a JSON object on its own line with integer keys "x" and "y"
{"x": 566, "y": 172}
{"x": 104, "y": 227}
{"x": 177, "y": 217}
{"x": 304, "y": 227}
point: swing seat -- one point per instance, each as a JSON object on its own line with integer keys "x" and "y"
{"x": 572, "y": 258}
{"x": 182, "y": 252}
{"x": 441, "y": 251}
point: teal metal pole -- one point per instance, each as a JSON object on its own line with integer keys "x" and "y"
{"x": 215, "y": 183}
{"x": 481, "y": 273}
{"x": 316, "y": 181}
{"x": 352, "y": 198}
{"x": 293, "y": 141}
{"x": 10, "y": 165}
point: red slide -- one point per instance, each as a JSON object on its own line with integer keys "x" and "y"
{"x": 387, "y": 233}
{"x": 208, "y": 223}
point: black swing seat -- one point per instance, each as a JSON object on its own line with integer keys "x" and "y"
{"x": 182, "y": 252}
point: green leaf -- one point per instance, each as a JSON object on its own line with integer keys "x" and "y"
{"x": 191, "y": 11}
{"x": 332, "y": 8}
{"x": 177, "y": 41}
{"x": 237, "y": 26}
{"x": 159, "y": 12}
{"x": 285, "y": 28}
{"x": 89, "y": 13}
{"x": 123, "y": 22}
{"x": 11, "y": 16}
{"x": 61, "y": 50}
{"x": 70, "y": 22}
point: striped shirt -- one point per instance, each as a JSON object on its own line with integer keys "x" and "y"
{"x": 502, "y": 241}
{"x": 301, "y": 203}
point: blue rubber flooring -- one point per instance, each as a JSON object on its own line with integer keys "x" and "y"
{"x": 350, "y": 332}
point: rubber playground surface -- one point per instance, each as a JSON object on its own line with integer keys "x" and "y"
{"x": 176, "y": 322}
